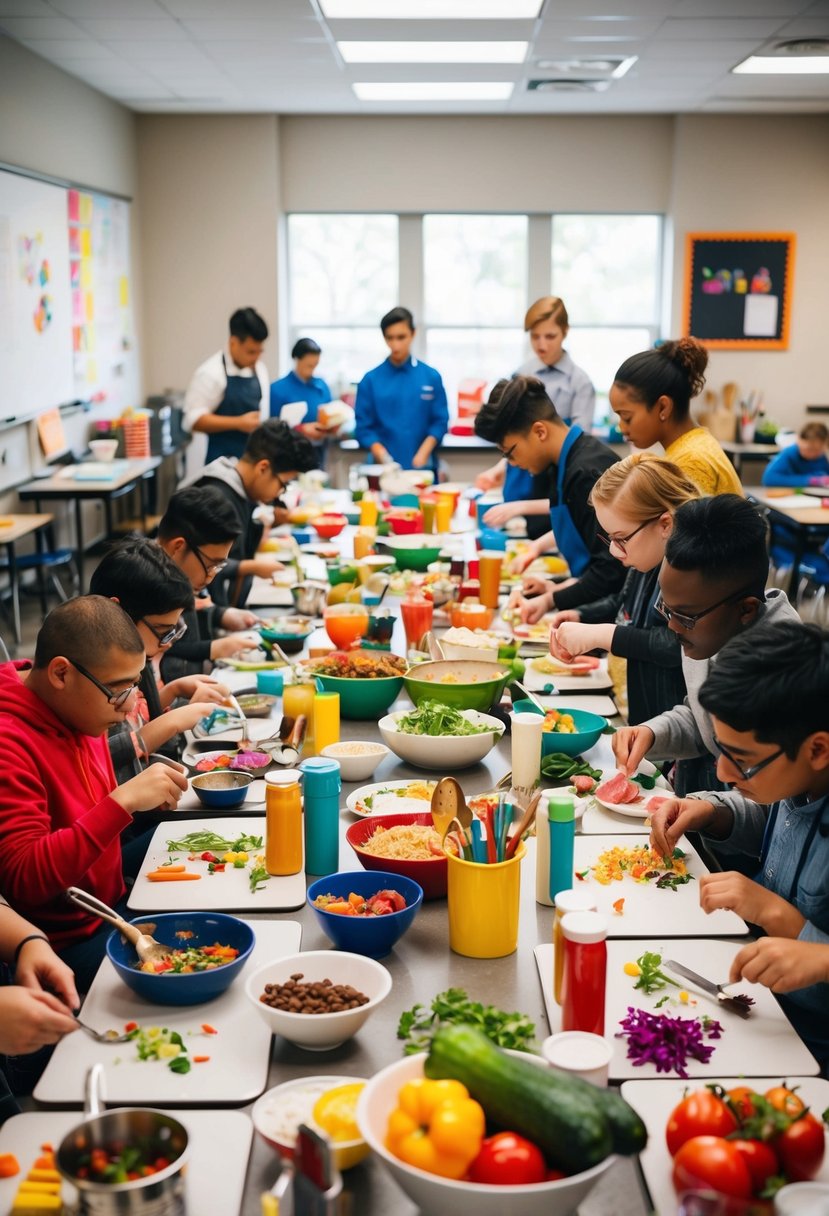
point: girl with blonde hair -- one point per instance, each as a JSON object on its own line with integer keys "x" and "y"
{"x": 634, "y": 501}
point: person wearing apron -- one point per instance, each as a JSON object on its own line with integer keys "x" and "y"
{"x": 227, "y": 396}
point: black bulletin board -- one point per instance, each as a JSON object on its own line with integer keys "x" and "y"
{"x": 738, "y": 288}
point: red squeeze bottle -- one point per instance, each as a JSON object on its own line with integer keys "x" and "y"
{"x": 585, "y": 971}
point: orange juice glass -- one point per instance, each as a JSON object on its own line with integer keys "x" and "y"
{"x": 428, "y": 507}
{"x": 489, "y": 572}
{"x": 417, "y": 614}
{"x": 368, "y": 511}
{"x": 444, "y": 510}
{"x": 470, "y": 614}
{"x": 364, "y": 539}
{"x": 345, "y": 624}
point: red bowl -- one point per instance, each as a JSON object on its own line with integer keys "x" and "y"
{"x": 405, "y": 525}
{"x": 328, "y": 526}
{"x": 432, "y": 874}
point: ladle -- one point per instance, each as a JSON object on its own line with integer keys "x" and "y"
{"x": 146, "y": 947}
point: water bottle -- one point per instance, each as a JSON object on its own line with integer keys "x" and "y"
{"x": 321, "y": 785}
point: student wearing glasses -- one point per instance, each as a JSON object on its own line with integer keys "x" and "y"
{"x": 634, "y": 501}
{"x": 61, "y": 810}
{"x": 766, "y": 697}
{"x": 711, "y": 588}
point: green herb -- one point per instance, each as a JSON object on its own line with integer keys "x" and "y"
{"x": 432, "y": 718}
{"x": 210, "y": 842}
{"x": 560, "y": 767}
{"x": 419, "y": 1024}
{"x": 179, "y": 1064}
{"x": 672, "y": 881}
{"x": 651, "y": 977}
{"x": 258, "y": 877}
{"x": 662, "y": 1001}
{"x": 646, "y": 780}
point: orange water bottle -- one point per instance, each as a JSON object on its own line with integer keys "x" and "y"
{"x": 283, "y": 822}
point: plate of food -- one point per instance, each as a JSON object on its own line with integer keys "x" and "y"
{"x": 638, "y": 797}
{"x": 587, "y": 673}
{"x": 391, "y": 798}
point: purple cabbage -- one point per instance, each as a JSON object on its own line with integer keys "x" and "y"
{"x": 667, "y": 1042}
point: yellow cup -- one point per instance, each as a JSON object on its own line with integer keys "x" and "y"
{"x": 369, "y": 511}
{"x": 483, "y": 906}
{"x": 444, "y": 509}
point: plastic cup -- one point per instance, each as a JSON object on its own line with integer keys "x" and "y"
{"x": 483, "y": 906}
{"x": 444, "y": 509}
{"x": 364, "y": 540}
{"x": 584, "y": 1055}
{"x": 270, "y": 682}
{"x": 489, "y": 573}
{"x": 428, "y": 508}
{"x": 368, "y": 512}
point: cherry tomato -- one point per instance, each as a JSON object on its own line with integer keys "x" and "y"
{"x": 801, "y": 1148}
{"x": 714, "y": 1162}
{"x": 761, "y": 1160}
{"x": 785, "y": 1099}
{"x": 742, "y": 1098}
{"x": 508, "y": 1160}
{"x": 700, "y": 1114}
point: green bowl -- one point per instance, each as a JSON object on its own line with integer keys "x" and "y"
{"x": 363, "y": 699}
{"x": 588, "y": 729}
{"x": 341, "y": 574}
{"x": 414, "y": 552}
{"x": 479, "y": 685}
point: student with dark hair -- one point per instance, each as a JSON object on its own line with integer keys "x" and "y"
{"x": 766, "y": 696}
{"x": 523, "y": 422}
{"x": 712, "y": 587}
{"x": 652, "y": 393}
{"x": 274, "y": 455}
{"x": 401, "y": 413}
{"x": 153, "y": 592}
{"x": 803, "y": 463}
{"x": 301, "y": 384}
{"x": 227, "y": 397}
{"x": 61, "y": 810}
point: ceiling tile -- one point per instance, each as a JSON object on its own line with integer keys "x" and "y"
{"x": 715, "y": 30}
{"x": 124, "y": 29}
{"x": 133, "y": 9}
{"x": 30, "y": 28}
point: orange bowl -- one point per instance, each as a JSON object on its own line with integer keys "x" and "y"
{"x": 431, "y": 874}
{"x": 471, "y": 615}
{"x": 345, "y": 624}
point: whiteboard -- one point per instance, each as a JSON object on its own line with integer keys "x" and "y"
{"x": 35, "y": 320}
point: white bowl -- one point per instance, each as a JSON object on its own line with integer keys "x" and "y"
{"x": 359, "y": 766}
{"x": 103, "y": 449}
{"x": 320, "y": 1031}
{"x": 483, "y": 654}
{"x": 347, "y": 1153}
{"x": 441, "y": 752}
{"x": 434, "y": 1194}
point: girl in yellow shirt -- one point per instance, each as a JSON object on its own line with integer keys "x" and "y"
{"x": 652, "y": 395}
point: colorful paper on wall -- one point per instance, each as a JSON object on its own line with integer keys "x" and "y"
{"x": 51, "y": 433}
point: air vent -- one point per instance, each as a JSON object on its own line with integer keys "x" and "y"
{"x": 565, "y": 85}
{"x": 802, "y": 46}
{"x": 588, "y": 68}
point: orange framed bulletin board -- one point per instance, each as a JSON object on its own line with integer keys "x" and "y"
{"x": 738, "y": 289}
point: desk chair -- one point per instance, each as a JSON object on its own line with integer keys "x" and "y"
{"x": 46, "y": 563}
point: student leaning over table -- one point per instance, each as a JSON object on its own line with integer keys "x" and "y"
{"x": 712, "y": 587}
{"x": 61, "y": 810}
{"x": 767, "y": 697}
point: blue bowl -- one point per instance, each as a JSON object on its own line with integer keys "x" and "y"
{"x": 492, "y": 538}
{"x": 373, "y": 936}
{"x": 588, "y": 729}
{"x": 207, "y": 928}
{"x": 222, "y": 789}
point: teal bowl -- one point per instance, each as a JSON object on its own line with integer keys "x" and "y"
{"x": 363, "y": 699}
{"x": 588, "y": 729}
{"x": 472, "y": 684}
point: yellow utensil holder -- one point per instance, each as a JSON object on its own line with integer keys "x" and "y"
{"x": 483, "y": 906}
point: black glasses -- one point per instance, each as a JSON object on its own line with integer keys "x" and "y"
{"x": 746, "y": 773}
{"x": 118, "y": 699}
{"x": 167, "y": 634}
{"x": 687, "y": 621}
{"x": 210, "y": 566}
{"x": 621, "y": 541}
{"x": 508, "y": 454}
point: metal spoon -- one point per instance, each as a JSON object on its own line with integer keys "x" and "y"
{"x": 146, "y": 947}
{"x": 102, "y": 1036}
{"x": 527, "y": 695}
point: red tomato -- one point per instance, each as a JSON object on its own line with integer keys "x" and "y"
{"x": 761, "y": 1160}
{"x": 801, "y": 1148}
{"x": 714, "y": 1162}
{"x": 742, "y": 1098}
{"x": 700, "y": 1114}
{"x": 508, "y": 1160}
{"x": 394, "y": 898}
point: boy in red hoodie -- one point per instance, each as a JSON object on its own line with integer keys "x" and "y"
{"x": 61, "y": 812}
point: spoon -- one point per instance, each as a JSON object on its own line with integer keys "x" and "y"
{"x": 447, "y": 799}
{"x": 529, "y": 816}
{"x": 434, "y": 647}
{"x": 146, "y": 947}
{"x": 102, "y": 1036}
{"x": 527, "y": 695}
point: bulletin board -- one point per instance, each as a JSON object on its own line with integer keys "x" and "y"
{"x": 738, "y": 289}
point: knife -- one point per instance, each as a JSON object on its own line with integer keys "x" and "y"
{"x": 715, "y": 990}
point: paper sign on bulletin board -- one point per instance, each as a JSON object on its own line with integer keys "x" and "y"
{"x": 738, "y": 289}
{"x": 51, "y": 433}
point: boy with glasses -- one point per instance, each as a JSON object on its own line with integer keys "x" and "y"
{"x": 767, "y": 698}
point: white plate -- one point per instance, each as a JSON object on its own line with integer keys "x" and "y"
{"x": 654, "y": 1101}
{"x": 387, "y": 806}
{"x": 236, "y": 1072}
{"x": 637, "y": 809}
{"x": 595, "y": 681}
{"x": 214, "y": 1135}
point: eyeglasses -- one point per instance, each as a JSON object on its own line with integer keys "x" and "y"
{"x": 118, "y": 699}
{"x": 621, "y": 542}
{"x": 746, "y": 773}
{"x": 209, "y": 566}
{"x": 687, "y": 621}
{"x": 508, "y": 454}
{"x": 167, "y": 634}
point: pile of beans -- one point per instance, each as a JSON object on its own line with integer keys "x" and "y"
{"x": 321, "y": 996}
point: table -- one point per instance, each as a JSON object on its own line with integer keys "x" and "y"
{"x": 13, "y": 529}
{"x": 807, "y": 522}
{"x": 738, "y": 452}
{"x": 58, "y": 487}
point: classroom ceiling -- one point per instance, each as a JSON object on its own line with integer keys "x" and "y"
{"x": 282, "y": 56}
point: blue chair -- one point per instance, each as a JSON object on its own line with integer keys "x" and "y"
{"x": 45, "y": 563}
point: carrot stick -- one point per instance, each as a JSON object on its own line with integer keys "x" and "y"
{"x": 169, "y": 869}
{"x": 166, "y": 876}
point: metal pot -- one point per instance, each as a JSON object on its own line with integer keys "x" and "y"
{"x": 310, "y": 597}
{"x": 154, "y": 1131}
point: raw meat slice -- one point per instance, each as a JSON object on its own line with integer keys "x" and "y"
{"x": 655, "y": 802}
{"x": 633, "y": 792}
{"x": 616, "y": 789}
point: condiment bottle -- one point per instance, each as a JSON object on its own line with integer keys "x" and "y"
{"x": 566, "y": 901}
{"x": 321, "y": 785}
{"x": 326, "y": 723}
{"x": 585, "y": 971}
{"x": 283, "y": 822}
{"x": 561, "y": 824}
{"x": 543, "y": 894}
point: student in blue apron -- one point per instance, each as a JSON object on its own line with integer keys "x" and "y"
{"x": 401, "y": 413}
{"x": 523, "y": 422}
{"x": 228, "y": 396}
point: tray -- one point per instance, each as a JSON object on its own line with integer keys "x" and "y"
{"x": 227, "y": 892}
{"x": 215, "y": 1135}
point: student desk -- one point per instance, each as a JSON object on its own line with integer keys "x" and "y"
{"x": 64, "y": 487}
{"x": 809, "y": 521}
{"x": 737, "y": 452}
{"x": 12, "y": 529}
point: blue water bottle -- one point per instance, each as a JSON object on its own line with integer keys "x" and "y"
{"x": 561, "y": 813}
{"x": 321, "y": 796}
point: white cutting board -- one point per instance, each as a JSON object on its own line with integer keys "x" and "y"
{"x": 747, "y": 1045}
{"x": 654, "y": 1101}
{"x": 215, "y": 1135}
{"x": 598, "y": 821}
{"x": 677, "y": 913}
{"x": 237, "y": 1071}
{"x": 226, "y": 892}
{"x": 591, "y": 703}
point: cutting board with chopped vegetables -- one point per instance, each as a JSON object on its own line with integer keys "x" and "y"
{"x": 214, "y": 1135}
{"x": 228, "y": 1031}
{"x": 223, "y": 884}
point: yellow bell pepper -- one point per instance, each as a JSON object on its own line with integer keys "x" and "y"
{"x": 436, "y": 1127}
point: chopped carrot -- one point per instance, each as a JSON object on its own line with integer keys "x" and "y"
{"x": 356, "y": 901}
{"x": 166, "y": 876}
{"x": 341, "y": 908}
{"x": 169, "y": 869}
{"x": 46, "y": 1162}
{"x": 200, "y": 1059}
{"x": 9, "y": 1165}
{"x": 208, "y": 1029}
{"x": 46, "y": 1147}
{"x": 618, "y": 906}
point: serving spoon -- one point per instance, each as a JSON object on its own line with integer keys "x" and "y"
{"x": 146, "y": 947}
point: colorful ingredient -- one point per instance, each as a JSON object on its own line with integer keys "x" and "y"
{"x": 555, "y": 722}
{"x": 320, "y": 996}
{"x": 358, "y": 665}
{"x": 191, "y": 959}
{"x": 560, "y": 768}
{"x": 383, "y": 903}
{"x": 642, "y": 864}
{"x": 617, "y": 790}
{"x": 9, "y": 1165}
{"x": 508, "y": 1160}
{"x": 172, "y": 875}
{"x": 418, "y": 1025}
{"x": 39, "y": 1192}
{"x": 667, "y": 1042}
{"x": 158, "y": 1043}
{"x": 712, "y": 1161}
{"x": 336, "y": 1112}
{"x": 801, "y": 1147}
{"x": 436, "y": 1127}
{"x": 204, "y": 841}
{"x": 431, "y": 718}
{"x": 702, "y": 1113}
{"x": 421, "y": 791}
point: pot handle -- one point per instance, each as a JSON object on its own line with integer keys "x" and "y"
{"x": 93, "y": 1092}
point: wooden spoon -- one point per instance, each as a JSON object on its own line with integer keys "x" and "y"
{"x": 445, "y": 805}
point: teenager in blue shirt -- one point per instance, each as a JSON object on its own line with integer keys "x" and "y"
{"x": 401, "y": 412}
{"x": 804, "y": 463}
{"x": 302, "y": 385}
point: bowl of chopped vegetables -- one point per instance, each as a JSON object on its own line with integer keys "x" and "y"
{"x": 404, "y": 845}
{"x": 366, "y": 911}
{"x": 367, "y": 682}
{"x": 208, "y": 951}
{"x": 460, "y": 683}
{"x": 436, "y": 736}
{"x": 324, "y": 1102}
{"x": 571, "y": 731}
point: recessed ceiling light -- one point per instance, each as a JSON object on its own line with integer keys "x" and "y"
{"x": 434, "y": 90}
{"x": 429, "y": 10}
{"x": 773, "y": 65}
{"x": 433, "y": 52}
